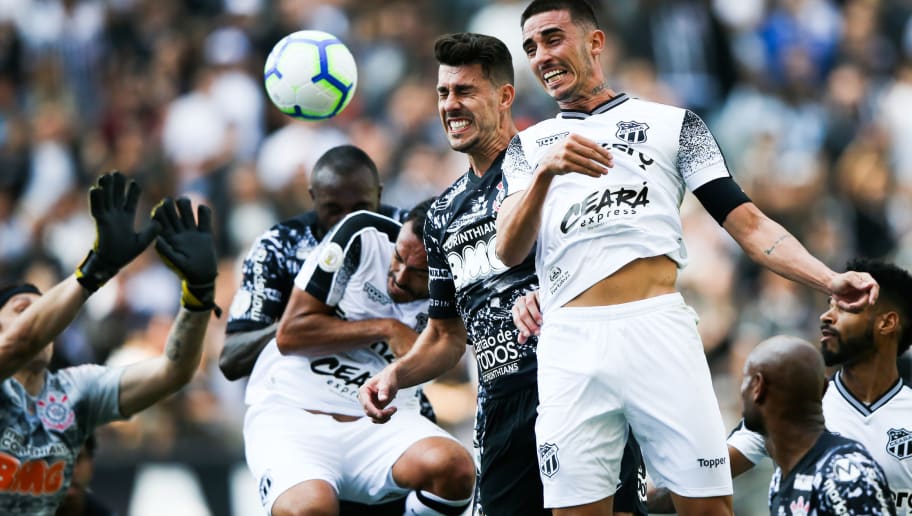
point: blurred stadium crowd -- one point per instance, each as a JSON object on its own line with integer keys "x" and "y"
{"x": 811, "y": 101}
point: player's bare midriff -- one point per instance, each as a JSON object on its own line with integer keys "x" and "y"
{"x": 640, "y": 279}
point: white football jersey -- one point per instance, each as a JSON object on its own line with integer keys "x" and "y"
{"x": 883, "y": 427}
{"x": 591, "y": 227}
{"x": 349, "y": 272}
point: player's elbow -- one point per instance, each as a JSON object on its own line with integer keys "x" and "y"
{"x": 507, "y": 253}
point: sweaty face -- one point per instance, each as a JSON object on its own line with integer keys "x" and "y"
{"x": 335, "y": 197}
{"x": 408, "y": 274}
{"x": 846, "y": 337}
{"x": 560, "y": 56}
{"x": 468, "y": 104}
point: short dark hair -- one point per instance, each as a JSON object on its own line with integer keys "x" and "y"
{"x": 581, "y": 11}
{"x": 346, "y": 160}
{"x": 418, "y": 215}
{"x": 10, "y": 291}
{"x": 467, "y": 48}
{"x": 895, "y": 291}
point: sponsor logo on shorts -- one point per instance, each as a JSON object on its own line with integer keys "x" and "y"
{"x": 632, "y": 132}
{"x": 265, "y": 487}
{"x": 899, "y": 444}
{"x": 800, "y": 507}
{"x": 712, "y": 463}
{"x": 547, "y": 459}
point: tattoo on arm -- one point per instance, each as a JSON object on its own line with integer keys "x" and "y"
{"x": 773, "y": 247}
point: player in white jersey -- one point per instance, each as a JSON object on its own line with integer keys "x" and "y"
{"x": 359, "y": 300}
{"x": 866, "y": 400}
{"x": 46, "y": 417}
{"x": 599, "y": 189}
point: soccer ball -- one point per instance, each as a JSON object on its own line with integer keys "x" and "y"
{"x": 310, "y": 75}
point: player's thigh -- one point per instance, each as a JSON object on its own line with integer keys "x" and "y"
{"x": 285, "y": 446}
{"x": 507, "y": 464}
{"x": 671, "y": 405}
{"x": 581, "y": 430}
{"x": 372, "y": 450}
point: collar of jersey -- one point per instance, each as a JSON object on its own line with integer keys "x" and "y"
{"x": 859, "y": 405}
{"x": 611, "y": 103}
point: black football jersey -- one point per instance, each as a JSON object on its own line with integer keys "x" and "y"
{"x": 468, "y": 280}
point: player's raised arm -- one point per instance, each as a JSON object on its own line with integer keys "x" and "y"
{"x": 187, "y": 247}
{"x": 770, "y": 245}
{"x": 112, "y": 201}
{"x": 437, "y": 350}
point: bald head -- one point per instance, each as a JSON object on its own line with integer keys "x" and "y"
{"x": 784, "y": 378}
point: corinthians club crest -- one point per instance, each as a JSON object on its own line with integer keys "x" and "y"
{"x": 899, "y": 444}
{"x": 547, "y": 459}
{"x": 632, "y": 132}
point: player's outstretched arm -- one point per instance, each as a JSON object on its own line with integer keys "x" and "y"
{"x": 187, "y": 247}
{"x": 112, "y": 202}
{"x": 519, "y": 218}
{"x": 310, "y": 327}
{"x": 770, "y": 245}
{"x": 437, "y": 350}
{"x": 241, "y": 349}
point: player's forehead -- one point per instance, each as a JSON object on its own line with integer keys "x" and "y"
{"x": 540, "y": 25}
{"x": 466, "y": 75}
{"x": 410, "y": 248}
{"x": 17, "y": 303}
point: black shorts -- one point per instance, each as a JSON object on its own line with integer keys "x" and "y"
{"x": 509, "y": 482}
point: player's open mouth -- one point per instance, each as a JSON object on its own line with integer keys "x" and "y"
{"x": 553, "y": 76}
{"x": 457, "y": 125}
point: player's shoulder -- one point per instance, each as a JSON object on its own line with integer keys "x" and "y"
{"x": 363, "y": 221}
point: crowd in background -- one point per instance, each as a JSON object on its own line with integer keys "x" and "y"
{"x": 811, "y": 102}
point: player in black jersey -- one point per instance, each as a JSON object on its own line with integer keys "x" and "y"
{"x": 472, "y": 292}
{"x": 344, "y": 180}
{"x": 817, "y": 472}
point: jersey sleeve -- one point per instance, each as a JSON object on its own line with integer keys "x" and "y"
{"x": 327, "y": 271}
{"x": 98, "y": 390}
{"x": 441, "y": 286}
{"x": 259, "y": 300}
{"x": 700, "y": 159}
{"x": 517, "y": 171}
{"x": 749, "y": 443}
{"x": 852, "y": 483}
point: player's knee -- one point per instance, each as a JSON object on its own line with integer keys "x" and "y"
{"x": 307, "y": 499}
{"x": 451, "y": 469}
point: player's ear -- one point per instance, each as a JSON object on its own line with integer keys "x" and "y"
{"x": 596, "y": 41}
{"x": 758, "y": 387}
{"x": 887, "y": 323}
{"x": 507, "y": 95}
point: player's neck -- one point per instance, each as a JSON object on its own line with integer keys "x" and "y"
{"x": 599, "y": 95}
{"x": 480, "y": 159}
{"x": 790, "y": 441}
{"x": 870, "y": 379}
{"x": 31, "y": 379}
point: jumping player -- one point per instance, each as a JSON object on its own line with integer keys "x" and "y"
{"x": 596, "y": 191}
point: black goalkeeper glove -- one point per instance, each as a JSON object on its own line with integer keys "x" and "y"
{"x": 112, "y": 202}
{"x": 187, "y": 247}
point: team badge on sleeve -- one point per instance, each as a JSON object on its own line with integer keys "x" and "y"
{"x": 331, "y": 257}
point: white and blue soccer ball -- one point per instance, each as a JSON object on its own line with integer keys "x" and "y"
{"x": 310, "y": 75}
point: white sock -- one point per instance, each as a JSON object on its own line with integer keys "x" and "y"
{"x": 423, "y": 503}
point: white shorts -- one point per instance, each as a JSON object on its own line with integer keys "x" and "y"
{"x": 642, "y": 363}
{"x": 285, "y": 446}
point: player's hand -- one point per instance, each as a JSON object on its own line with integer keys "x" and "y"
{"x": 577, "y": 154}
{"x": 187, "y": 247}
{"x": 377, "y": 393}
{"x": 112, "y": 202}
{"x": 853, "y": 290}
{"x": 527, "y": 316}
